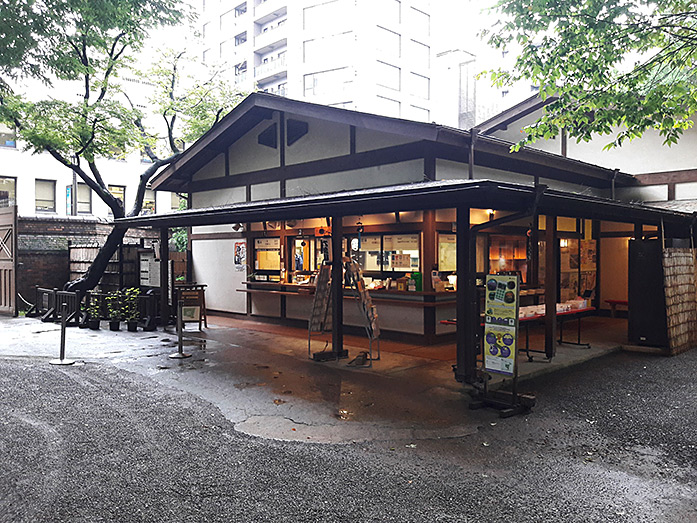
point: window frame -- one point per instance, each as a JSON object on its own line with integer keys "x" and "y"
{"x": 36, "y": 199}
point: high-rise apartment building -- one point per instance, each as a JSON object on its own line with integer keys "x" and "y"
{"x": 370, "y": 55}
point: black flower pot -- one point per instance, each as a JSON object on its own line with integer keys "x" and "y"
{"x": 93, "y": 324}
{"x": 132, "y": 326}
{"x": 114, "y": 325}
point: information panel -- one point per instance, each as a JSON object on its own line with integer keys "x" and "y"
{"x": 501, "y": 323}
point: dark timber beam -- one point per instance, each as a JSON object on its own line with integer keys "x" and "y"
{"x": 551, "y": 278}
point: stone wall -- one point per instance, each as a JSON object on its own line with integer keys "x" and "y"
{"x": 681, "y": 298}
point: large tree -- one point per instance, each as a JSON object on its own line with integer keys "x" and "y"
{"x": 613, "y": 67}
{"x": 84, "y": 46}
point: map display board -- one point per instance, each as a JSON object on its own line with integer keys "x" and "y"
{"x": 501, "y": 323}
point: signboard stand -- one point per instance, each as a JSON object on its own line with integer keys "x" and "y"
{"x": 368, "y": 312}
{"x": 320, "y": 317}
{"x": 500, "y": 346}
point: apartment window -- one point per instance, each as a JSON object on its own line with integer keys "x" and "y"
{"x": 325, "y": 82}
{"x": 333, "y": 49}
{"x": 226, "y": 49}
{"x": 84, "y": 199}
{"x": 420, "y": 114}
{"x": 388, "y": 107}
{"x": 420, "y": 21}
{"x": 390, "y": 11}
{"x": 240, "y": 69}
{"x": 118, "y": 192}
{"x": 226, "y": 21}
{"x": 388, "y": 76}
{"x": 240, "y": 9}
{"x": 388, "y": 42}
{"x": 206, "y": 56}
{"x": 7, "y": 191}
{"x": 316, "y": 16}
{"x": 206, "y": 30}
{"x": 241, "y": 38}
{"x": 45, "y": 195}
{"x": 420, "y": 86}
{"x": 8, "y": 137}
{"x": 148, "y": 202}
{"x": 421, "y": 55}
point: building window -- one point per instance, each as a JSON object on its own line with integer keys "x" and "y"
{"x": 388, "y": 107}
{"x": 8, "y": 138}
{"x": 316, "y": 16}
{"x": 420, "y": 86}
{"x": 119, "y": 192}
{"x": 421, "y": 55}
{"x": 390, "y": 11}
{"x": 206, "y": 30}
{"x": 388, "y": 76}
{"x": 388, "y": 43}
{"x": 241, "y": 38}
{"x": 226, "y": 21}
{"x": 84, "y": 199}
{"x": 420, "y": 114}
{"x": 149, "y": 206}
{"x": 241, "y": 68}
{"x": 334, "y": 81}
{"x": 206, "y": 56}
{"x": 420, "y": 21}
{"x": 7, "y": 192}
{"x": 45, "y": 195}
{"x": 240, "y": 9}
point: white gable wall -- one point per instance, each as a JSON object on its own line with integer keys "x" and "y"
{"x": 323, "y": 140}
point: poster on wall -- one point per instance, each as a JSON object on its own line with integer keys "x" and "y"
{"x": 240, "y": 256}
{"x": 588, "y": 255}
{"x": 501, "y": 323}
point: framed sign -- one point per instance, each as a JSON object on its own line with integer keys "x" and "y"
{"x": 501, "y": 323}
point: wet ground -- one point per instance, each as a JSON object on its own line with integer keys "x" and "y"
{"x": 130, "y": 435}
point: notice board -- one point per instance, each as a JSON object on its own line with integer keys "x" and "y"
{"x": 501, "y": 323}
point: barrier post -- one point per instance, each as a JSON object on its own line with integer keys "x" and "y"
{"x": 180, "y": 354}
{"x": 64, "y": 324}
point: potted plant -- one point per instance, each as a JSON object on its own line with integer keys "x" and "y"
{"x": 93, "y": 312}
{"x": 130, "y": 308}
{"x": 113, "y": 307}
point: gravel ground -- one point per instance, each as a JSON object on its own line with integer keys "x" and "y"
{"x": 612, "y": 441}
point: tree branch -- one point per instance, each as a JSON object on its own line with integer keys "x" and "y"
{"x": 145, "y": 179}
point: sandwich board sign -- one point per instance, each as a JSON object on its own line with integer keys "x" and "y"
{"x": 501, "y": 323}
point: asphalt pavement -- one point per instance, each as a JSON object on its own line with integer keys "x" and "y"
{"x": 613, "y": 440}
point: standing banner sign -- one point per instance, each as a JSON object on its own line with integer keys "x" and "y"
{"x": 501, "y": 323}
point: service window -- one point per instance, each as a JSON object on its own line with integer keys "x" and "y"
{"x": 267, "y": 252}
{"x": 401, "y": 252}
{"x": 303, "y": 255}
{"x": 45, "y": 195}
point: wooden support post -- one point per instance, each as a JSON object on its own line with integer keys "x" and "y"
{"x": 337, "y": 287}
{"x": 551, "y": 282}
{"x": 164, "y": 276}
{"x": 428, "y": 249}
{"x": 638, "y": 231}
{"x": 467, "y": 317}
{"x": 534, "y": 269}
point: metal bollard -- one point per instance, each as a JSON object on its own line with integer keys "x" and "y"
{"x": 64, "y": 323}
{"x": 180, "y": 354}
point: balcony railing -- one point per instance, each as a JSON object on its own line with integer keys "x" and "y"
{"x": 270, "y": 68}
{"x": 272, "y": 35}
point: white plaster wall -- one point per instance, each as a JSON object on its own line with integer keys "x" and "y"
{"x": 222, "y": 278}
{"x": 266, "y": 191}
{"x": 216, "y": 198}
{"x": 266, "y": 305}
{"x": 643, "y": 155}
{"x": 247, "y": 155}
{"x": 213, "y": 169}
{"x": 323, "y": 140}
{"x": 403, "y": 172}
{"x": 369, "y": 140}
{"x": 686, "y": 191}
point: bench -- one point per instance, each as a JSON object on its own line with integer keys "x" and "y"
{"x": 613, "y": 305}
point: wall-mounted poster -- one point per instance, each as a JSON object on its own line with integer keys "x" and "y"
{"x": 240, "y": 255}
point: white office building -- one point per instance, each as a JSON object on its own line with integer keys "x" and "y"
{"x": 367, "y": 55}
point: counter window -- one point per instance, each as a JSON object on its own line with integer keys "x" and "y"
{"x": 303, "y": 255}
{"x": 267, "y": 252}
{"x": 401, "y": 252}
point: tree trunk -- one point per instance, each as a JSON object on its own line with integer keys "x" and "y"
{"x": 91, "y": 278}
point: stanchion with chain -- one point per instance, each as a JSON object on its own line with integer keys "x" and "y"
{"x": 64, "y": 323}
{"x": 180, "y": 354}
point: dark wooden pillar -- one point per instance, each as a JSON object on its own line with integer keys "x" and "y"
{"x": 164, "y": 276}
{"x": 337, "y": 286}
{"x": 428, "y": 249}
{"x": 467, "y": 317}
{"x": 551, "y": 281}
{"x": 638, "y": 231}
{"x": 534, "y": 242}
